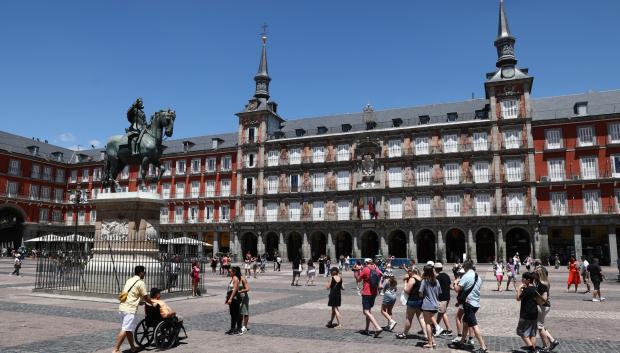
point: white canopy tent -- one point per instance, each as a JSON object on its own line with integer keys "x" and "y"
{"x": 49, "y": 238}
{"x": 78, "y": 238}
{"x": 184, "y": 241}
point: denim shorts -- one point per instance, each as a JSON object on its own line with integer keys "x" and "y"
{"x": 368, "y": 301}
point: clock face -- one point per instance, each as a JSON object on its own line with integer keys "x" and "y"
{"x": 508, "y": 72}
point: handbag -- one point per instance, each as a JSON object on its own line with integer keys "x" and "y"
{"x": 403, "y": 298}
{"x": 122, "y": 296}
{"x": 540, "y": 300}
{"x": 462, "y": 296}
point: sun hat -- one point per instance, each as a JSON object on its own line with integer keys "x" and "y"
{"x": 438, "y": 265}
{"x": 367, "y": 260}
{"x": 430, "y": 263}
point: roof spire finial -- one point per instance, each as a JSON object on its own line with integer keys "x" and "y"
{"x": 505, "y": 41}
{"x": 262, "y": 78}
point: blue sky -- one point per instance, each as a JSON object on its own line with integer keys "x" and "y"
{"x": 70, "y": 69}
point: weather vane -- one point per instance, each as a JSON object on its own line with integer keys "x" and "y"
{"x": 264, "y": 34}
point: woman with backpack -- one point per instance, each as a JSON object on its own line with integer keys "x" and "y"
{"x": 430, "y": 290}
{"x": 414, "y": 303}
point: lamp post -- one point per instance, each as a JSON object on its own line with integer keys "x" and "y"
{"x": 77, "y": 196}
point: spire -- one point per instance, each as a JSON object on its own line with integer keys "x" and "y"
{"x": 262, "y": 78}
{"x": 504, "y": 41}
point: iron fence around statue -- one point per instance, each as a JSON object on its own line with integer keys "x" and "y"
{"x": 103, "y": 270}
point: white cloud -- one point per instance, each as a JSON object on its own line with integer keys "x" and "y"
{"x": 94, "y": 142}
{"x": 66, "y": 137}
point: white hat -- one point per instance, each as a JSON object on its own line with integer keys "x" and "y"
{"x": 461, "y": 270}
{"x": 367, "y": 260}
{"x": 430, "y": 263}
{"x": 438, "y": 265}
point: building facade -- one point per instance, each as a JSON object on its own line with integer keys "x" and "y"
{"x": 471, "y": 178}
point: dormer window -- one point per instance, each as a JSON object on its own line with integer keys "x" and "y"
{"x": 424, "y": 119}
{"x": 371, "y": 124}
{"x": 581, "y": 108}
{"x": 215, "y": 142}
{"x": 34, "y": 150}
{"x": 251, "y": 135}
{"x": 187, "y": 145}
{"x": 397, "y": 122}
{"x": 57, "y": 156}
{"x": 278, "y": 134}
{"x": 481, "y": 114}
{"x": 346, "y": 127}
{"x": 321, "y": 130}
{"x": 300, "y": 132}
{"x": 453, "y": 116}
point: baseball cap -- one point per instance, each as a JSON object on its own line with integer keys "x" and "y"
{"x": 438, "y": 265}
{"x": 430, "y": 263}
{"x": 367, "y": 260}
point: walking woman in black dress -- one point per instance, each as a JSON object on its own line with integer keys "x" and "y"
{"x": 335, "y": 287}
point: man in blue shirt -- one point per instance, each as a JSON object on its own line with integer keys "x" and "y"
{"x": 470, "y": 282}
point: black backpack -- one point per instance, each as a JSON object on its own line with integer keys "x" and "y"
{"x": 462, "y": 297}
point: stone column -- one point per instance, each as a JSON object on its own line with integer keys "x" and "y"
{"x": 501, "y": 245}
{"x": 235, "y": 248}
{"x": 305, "y": 247}
{"x": 216, "y": 242}
{"x": 260, "y": 246}
{"x": 383, "y": 245}
{"x": 356, "y": 248}
{"x": 282, "y": 247}
{"x": 613, "y": 247}
{"x": 471, "y": 245}
{"x": 185, "y": 246}
{"x": 543, "y": 246}
{"x": 440, "y": 247}
{"x": 331, "y": 249}
{"x": 200, "y": 246}
{"x": 536, "y": 252}
{"x": 577, "y": 237}
{"x": 412, "y": 247}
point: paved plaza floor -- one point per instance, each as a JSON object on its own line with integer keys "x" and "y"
{"x": 291, "y": 319}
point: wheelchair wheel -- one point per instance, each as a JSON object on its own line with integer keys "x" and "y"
{"x": 143, "y": 335}
{"x": 165, "y": 334}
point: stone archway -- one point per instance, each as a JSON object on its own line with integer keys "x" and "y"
{"x": 12, "y": 218}
{"x": 397, "y": 244}
{"x": 293, "y": 246}
{"x": 425, "y": 246}
{"x": 518, "y": 240}
{"x": 249, "y": 243}
{"x": 318, "y": 245}
{"x": 271, "y": 244}
{"x": 370, "y": 244}
{"x": 485, "y": 245}
{"x": 344, "y": 244}
{"x": 455, "y": 244}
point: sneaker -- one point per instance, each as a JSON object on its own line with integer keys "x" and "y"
{"x": 553, "y": 345}
{"x": 377, "y": 333}
{"x": 438, "y": 332}
{"x": 470, "y": 341}
{"x": 595, "y": 300}
{"x": 238, "y": 333}
{"x": 602, "y": 298}
{"x": 456, "y": 339}
{"x": 244, "y": 329}
{"x": 446, "y": 333}
{"x": 229, "y": 332}
{"x": 481, "y": 350}
{"x": 392, "y": 325}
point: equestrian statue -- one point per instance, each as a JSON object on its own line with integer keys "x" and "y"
{"x": 141, "y": 145}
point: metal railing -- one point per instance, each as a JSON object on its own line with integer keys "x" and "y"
{"x": 578, "y": 210}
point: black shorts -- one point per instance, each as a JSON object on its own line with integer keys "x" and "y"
{"x": 469, "y": 315}
{"x": 596, "y": 283}
{"x": 368, "y": 301}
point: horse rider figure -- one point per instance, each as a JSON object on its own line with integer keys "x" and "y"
{"x": 137, "y": 119}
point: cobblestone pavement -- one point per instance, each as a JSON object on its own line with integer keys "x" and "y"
{"x": 290, "y": 319}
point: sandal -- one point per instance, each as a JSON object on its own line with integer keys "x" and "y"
{"x": 401, "y": 335}
{"x": 428, "y": 346}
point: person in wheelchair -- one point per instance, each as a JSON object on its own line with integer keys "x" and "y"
{"x": 165, "y": 311}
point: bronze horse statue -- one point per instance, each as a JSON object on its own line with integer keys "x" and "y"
{"x": 119, "y": 153}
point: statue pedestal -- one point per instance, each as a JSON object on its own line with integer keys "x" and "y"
{"x": 126, "y": 235}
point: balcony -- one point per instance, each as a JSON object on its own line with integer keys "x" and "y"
{"x": 514, "y": 145}
{"x": 578, "y": 210}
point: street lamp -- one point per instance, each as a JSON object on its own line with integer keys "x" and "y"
{"x": 77, "y": 196}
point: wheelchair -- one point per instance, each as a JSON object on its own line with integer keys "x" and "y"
{"x": 154, "y": 329}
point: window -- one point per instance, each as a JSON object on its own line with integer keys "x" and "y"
{"x": 294, "y": 155}
{"x": 227, "y": 163}
{"x": 294, "y": 183}
{"x": 195, "y": 188}
{"x": 195, "y": 168}
{"x": 585, "y": 136}
{"x": 513, "y": 170}
{"x": 58, "y": 195}
{"x": 424, "y": 206}
{"x": 69, "y": 217}
{"x": 510, "y": 108}
{"x": 60, "y": 176}
{"x": 396, "y": 208}
{"x": 423, "y": 175}
{"x": 248, "y": 214}
{"x": 47, "y": 173}
{"x": 14, "y": 167}
{"x": 81, "y": 217}
{"x": 617, "y": 194}
{"x": 272, "y": 158}
{"x": 480, "y": 141}
{"x": 224, "y": 213}
{"x": 343, "y": 153}
{"x": 272, "y": 212}
{"x": 589, "y": 167}
{"x": 272, "y": 184}
{"x": 394, "y": 148}
{"x": 97, "y": 174}
{"x": 515, "y": 203}
{"x": 556, "y": 169}
{"x": 343, "y": 180}
{"x": 553, "y": 138}
{"x": 251, "y": 135}
{"x": 153, "y": 188}
{"x": 96, "y": 192}
{"x": 294, "y": 211}
{"x": 167, "y": 168}
{"x": 46, "y": 192}
{"x": 511, "y": 139}
{"x": 450, "y": 143}
{"x": 250, "y": 160}
{"x": 317, "y": 210}
{"x": 73, "y": 177}
{"x": 211, "y": 164}
{"x": 93, "y": 216}
{"x": 591, "y": 202}
{"x": 481, "y": 172}
{"x": 165, "y": 190}
{"x": 225, "y": 187}
{"x": 192, "y": 214}
{"x": 36, "y": 171}
{"x": 483, "y": 204}
{"x": 56, "y": 216}
{"x": 180, "y": 190}
{"x": 178, "y": 214}
{"x": 318, "y": 154}
{"x": 343, "y": 211}
{"x": 318, "y": 182}
{"x": 180, "y": 167}
{"x": 581, "y": 108}
{"x": 395, "y": 177}
{"x": 613, "y": 129}
{"x": 451, "y": 173}
{"x": 421, "y": 145}
{"x": 125, "y": 172}
{"x": 558, "y": 203}
{"x": 34, "y": 192}
{"x": 249, "y": 186}
{"x": 453, "y": 206}
{"x": 209, "y": 213}
{"x": 12, "y": 188}
{"x": 210, "y": 188}
{"x": 85, "y": 173}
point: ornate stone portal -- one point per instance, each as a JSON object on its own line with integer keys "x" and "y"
{"x": 368, "y": 168}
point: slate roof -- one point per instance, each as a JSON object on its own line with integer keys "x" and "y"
{"x": 19, "y": 144}
{"x": 599, "y": 103}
